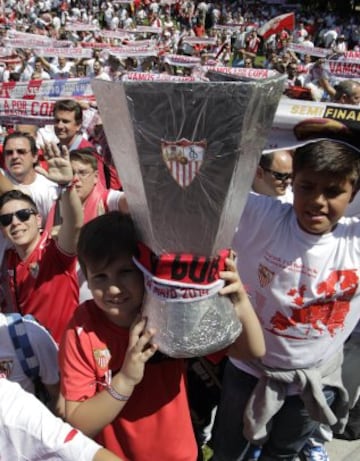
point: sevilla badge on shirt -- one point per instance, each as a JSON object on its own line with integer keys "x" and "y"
{"x": 102, "y": 357}
{"x": 183, "y": 159}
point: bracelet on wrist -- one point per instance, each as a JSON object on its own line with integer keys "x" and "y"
{"x": 116, "y": 395}
{"x": 69, "y": 185}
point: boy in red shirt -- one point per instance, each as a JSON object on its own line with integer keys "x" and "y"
{"x": 138, "y": 412}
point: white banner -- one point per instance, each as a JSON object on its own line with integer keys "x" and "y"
{"x": 147, "y": 30}
{"x": 47, "y": 89}
{"x": 23, "y": 42}
{"x": 312, "y": 51}
{"x": 352, "y": 54}
{"x": 27, "y": 36}
{"x": 181, "y": 60}
{"x": 149, "y": 77}
{"x": 297, "y": 121}
{"x": 131, "y": 52}
{"x": 243, "y": 72}
{"x": 81, "y": 27}
{"x": 343, "y": 68}
{"x": 26, "y": 111}
{"x": 77, "y": 52}
{"x": 200, "y": 40}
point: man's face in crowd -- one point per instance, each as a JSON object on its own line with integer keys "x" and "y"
{"x": 19, "y": 160}
{"x": 97, "y": 68}
{"x": 21, "y": 233}
{"x": 87, "y": 178}
{"x": 276, "y": 179}
{"x": 38, "y": 66}
{"x": 66, "y": 127}
{"x": 62, "y": 62}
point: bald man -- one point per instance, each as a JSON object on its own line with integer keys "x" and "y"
{"x": 273, "y": 175}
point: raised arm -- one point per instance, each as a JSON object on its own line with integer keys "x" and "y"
{"x": 60, "y": 171}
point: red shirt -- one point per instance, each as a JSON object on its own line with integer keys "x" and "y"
{"x": 44, "y": 285}
{"x": 155, "y": 423}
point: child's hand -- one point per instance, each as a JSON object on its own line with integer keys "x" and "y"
{"x": 233, "y": 285}
{"x": 139, "y": 351}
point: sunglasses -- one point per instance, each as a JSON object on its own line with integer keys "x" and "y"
{"x": 22, "y": 215}
{"x": 16, "y": 151}
{"x": 277, "y": 175}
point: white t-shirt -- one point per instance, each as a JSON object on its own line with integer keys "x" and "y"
{"x": 303, "y": 287}
{"x": 29, "y": 431}
{"x": 44, "y": 348}
{"x": 43, "y": 191}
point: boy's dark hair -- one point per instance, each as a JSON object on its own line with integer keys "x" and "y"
{"x": 331, "y": 157}
{"x": 69, "y": 105}
{"x": 17, "y": 195}
{"x": 85, "y": 155}
{"x": 20, "y": 134}
{"x": 103, "y": 239}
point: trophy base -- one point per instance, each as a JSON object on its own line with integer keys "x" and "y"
{"x": 192, "y": 329}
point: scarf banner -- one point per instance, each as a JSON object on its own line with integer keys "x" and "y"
{"x": 181, "y": 60}
{"x": 310, "y": 50}
{"x": 296, "y": 122}
{"x": 140, "y": 43}
{"x": 206, "y": 41}
{"x": 11, "y": 43}
{"x": 25, "y": 111}
{"x": 77, "y": 52}
{"x": 147, "y": 30}
{"x": 352, "y": 54}
{"x": 12, "y": 34}
{"x": 145, "y": 76}
{"x": 242, "y": 72}
{"x": 80, "y": 27}
{"x": 343, "y": 68}
{"x": 23, "y": 42}
{"x": 96, "y": 45}
{"x": 47, "y": 89}
{"x": 124, "y": 52}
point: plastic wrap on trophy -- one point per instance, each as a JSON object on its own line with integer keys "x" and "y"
{"x": 186, "y": 154}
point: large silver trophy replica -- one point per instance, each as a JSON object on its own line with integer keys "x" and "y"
{"x": 186, "y": 153}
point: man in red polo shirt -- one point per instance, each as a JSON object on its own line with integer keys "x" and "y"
{"x": 40, "y": 271}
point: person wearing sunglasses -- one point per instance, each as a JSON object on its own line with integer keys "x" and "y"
{"x": 40, "y": 271}
{"x": 273, "y": 175}
{"x": 20, "y": 160}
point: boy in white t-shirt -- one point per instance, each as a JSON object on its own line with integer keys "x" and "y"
{"x": 301, "y": 266}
